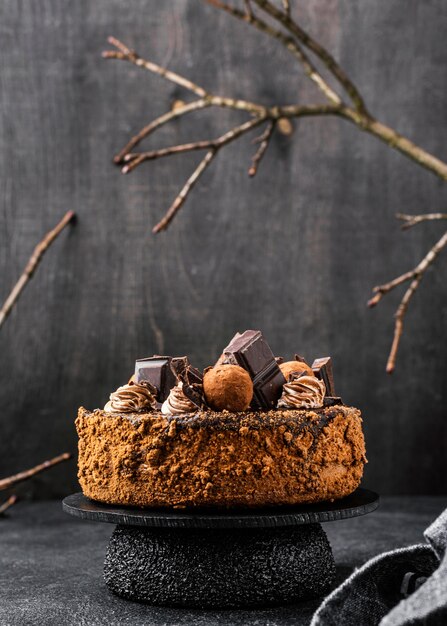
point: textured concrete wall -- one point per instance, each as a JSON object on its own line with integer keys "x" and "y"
{"x": 293, "y": 252}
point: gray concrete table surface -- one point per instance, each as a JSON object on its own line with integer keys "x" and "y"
{"x": 51, "y": 567}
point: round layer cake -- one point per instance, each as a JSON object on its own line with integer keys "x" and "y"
{"x": 220, "y": 459}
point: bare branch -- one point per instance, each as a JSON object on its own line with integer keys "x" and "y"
{"x": 32, "y": 265}
{"x": 415, "y": 276}
{"x": 263, "y": 141}
{"x": 5, "y": 483}
{"x": 412, "y": 220}
{"x": 298, "y": 42}
{"x": 359, "y": 116}
{"x": 7, "y": 504}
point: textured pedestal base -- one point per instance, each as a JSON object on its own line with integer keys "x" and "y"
{"x": 219, "y": 568}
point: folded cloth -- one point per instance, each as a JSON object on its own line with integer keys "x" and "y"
{"x": 405, "y": 586}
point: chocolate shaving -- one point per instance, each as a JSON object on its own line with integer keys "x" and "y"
{"x": 299, "y": 358}
{"x": 191, "y": 379}
{"x": 332, "y": 401}
{"x": 296, "y": 375}
{"x": 146, "y": 384}
{"x": 179, "y": 366}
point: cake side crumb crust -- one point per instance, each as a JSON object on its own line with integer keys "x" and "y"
{"x": 250, "y": 459}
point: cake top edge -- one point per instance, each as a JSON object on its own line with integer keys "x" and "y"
{"x": 272, "y": 414}
{"x": 246, "y": 378}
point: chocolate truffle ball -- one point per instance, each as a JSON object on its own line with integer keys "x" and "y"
{"x": 228, "y": 387}
{"x": 290, "y": 367}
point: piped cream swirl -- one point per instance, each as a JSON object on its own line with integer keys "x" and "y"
{"x": 305, "y": 392}
{"x": 177, "y": 403}
{"x": 131, "y": 398}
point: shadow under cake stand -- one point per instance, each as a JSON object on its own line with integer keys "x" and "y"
{"x": 237, "y": 559}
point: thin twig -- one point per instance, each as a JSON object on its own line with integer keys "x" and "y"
{"x": 263, "y": 141}
{"x": 157, "y": 123}
{"x": 6, "y": 483}
{"x": 211, "y": 100}
{"x": 134, "y": 159}
{"x": 412, "y": 220}
{"x": 327, "y": 59}
{"x": 8, "y": 503}
{"x": 32, "y": 265}
{"x": 126, "y": 54}
{"x": 212, "y": 147}
{"x": 214, "y": 144}
{"x": 180, "y": 199}
{"x": 289, "y": 42}
{"x": 415, "y": 276}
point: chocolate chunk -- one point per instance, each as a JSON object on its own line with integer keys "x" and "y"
{"x": 191, "y": 379}
{"x": 332, "y": 400}
{"x": 250, "y": 351}
{"x": 179, "y": 365}
{"x": 322, "y": 369}
{"x": 157, "y": 371}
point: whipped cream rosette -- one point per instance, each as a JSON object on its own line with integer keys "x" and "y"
{"x": 132, "y": 398}
{"x": 177, "y": 403}
{"x": 302, "y": 392}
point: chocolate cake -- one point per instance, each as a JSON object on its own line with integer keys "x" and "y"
{"x": 293, "y": 443}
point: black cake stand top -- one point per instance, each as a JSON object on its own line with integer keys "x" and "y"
{"x": 360, "y": 502}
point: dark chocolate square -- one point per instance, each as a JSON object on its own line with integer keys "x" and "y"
{"x": 322, "y": 369}
{"x": 157, "y": 371}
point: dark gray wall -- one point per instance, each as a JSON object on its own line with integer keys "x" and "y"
{"x": 293, "y": 252}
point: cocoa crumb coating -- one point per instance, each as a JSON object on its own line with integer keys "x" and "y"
{"x": 207, "y": 459}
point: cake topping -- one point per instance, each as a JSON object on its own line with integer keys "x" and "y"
{"x": 322, "y": 369}
{"x": 191, "y": 379}
{"x": 132, "y": 398}
{"x": 228, "y": 387}
{"x": 298, "y": 367}
{"x": 250, "y": 351}
{"x": 302, "y": 392}
{"x": 177, "y": 403}
{"x": 156, "y": 370}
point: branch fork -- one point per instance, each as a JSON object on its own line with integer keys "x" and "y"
{"x": 413, "y": 277}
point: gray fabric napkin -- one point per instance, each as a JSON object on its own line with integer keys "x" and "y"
{"x": 405, "y": 586}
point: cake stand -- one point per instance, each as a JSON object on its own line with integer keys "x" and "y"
{"x": 237, "y": 559}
